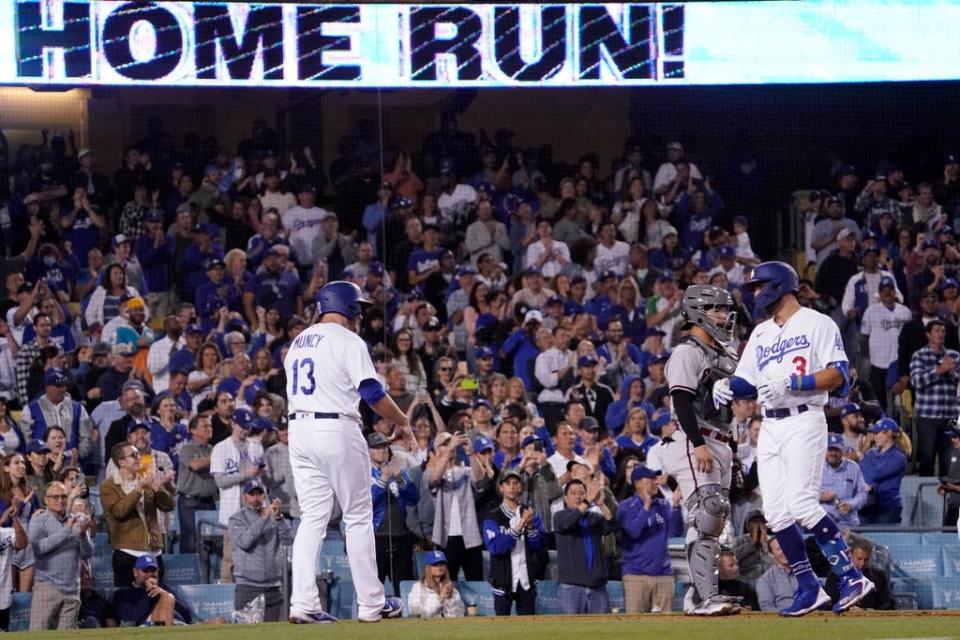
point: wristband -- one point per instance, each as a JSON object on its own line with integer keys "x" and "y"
{"x": 806, "y": 382}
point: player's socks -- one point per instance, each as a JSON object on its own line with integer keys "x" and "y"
{"x": 792, "y": 545}
{"x": 834, "y": 548}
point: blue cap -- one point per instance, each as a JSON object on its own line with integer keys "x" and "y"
{"x": 642, "y": 471}
{"x": 660, "y": 418}
{"x": 834, "y": 441}
{"x": 554, "y": 300}
{"x": 532, "y": 270}
{"x": 434, "y": 557}
{"x": 465, "y": 270}
{"x": 609, "y": 273}
{"x": 37, "y": 446}
{"x": 145, "y": 562}
{"x": 530, "y": 439}
{"x": 848, "y": 408}
{"x": 665, "y": 275}
{"x": 951, "y": 158}
{"x": 243, "y": 417}
{"x": 743, "y": 219}
{"x": 376, "y": 268}
{"x": 262, "y": 424}
{"x": 133, "y": 426}
{"x": 402, "y": 202}
{"x": 237, "y": 324}
{"x": 846, "y": 170}
{"x": 948, "y": 282}
{"x": 661, "y": 359}
{"x": 586, "y": 361}
{"x": 485, "y": 352}
{"x": 482, "y": 402}
{"x": 482, "y": 443}
{"x": 56, "y": 378}
{"x": 884, "y": 424}
{"x": 446, "y": 166}
{"x": 653, "y": 331}
{"x": 485, "y": 320}
{"x": 212, "y": 263}
{"x": 726, "y": 251}
{"x": 154, "y": 215}
{"x": 253, "y": 485}
{"x": 930, "y": 243}
{"x": 887, "y": 281}
{"x": 194, "y": 328}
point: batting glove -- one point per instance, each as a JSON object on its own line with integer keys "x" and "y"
{"x": 770, "y": 391}
{"x": 722, "y": 395}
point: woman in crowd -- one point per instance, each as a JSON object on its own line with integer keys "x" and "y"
{"x": 236, "y": 270}
{"x": 476, "y": 305}
{"x": 408, "y": 362}
{"x": 517, "y": 394}
{"x": 636, "y": 433}
{"x": 59, "y": 458}
{"x": 16, "y": 490}
{"x": 497, "y": 394}
{"x": 435, "y": 595}
{"x": 169, "y": 417}
{"x": 623, "y": 486}
{"x": 268, "y": 322}
{"x": 205, "y": 377}
{"x": 444, "y": 374}
{"x": 453, "y": 481}
{"x": 104, "y": 304}
{"x": 883, "y": 466}
{"x": 10, "y": 440}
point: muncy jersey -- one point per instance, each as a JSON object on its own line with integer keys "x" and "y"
{"x": 325, "y": 366}
{"x": 805, "y": 344}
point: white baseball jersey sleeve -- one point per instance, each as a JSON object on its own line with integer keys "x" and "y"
{"x": 807, "y": 343}
{"x": 325, "y": 366}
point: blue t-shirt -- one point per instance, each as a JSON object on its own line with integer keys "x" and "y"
{"x": 422, "y": 260}
{"x": 280, "y": 291}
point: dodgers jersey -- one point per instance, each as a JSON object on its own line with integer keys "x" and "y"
{"x": 325, "y": 366}
{"x": 805, "y": 344}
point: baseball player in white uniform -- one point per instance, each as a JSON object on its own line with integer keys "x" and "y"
{"x": 794, "y": 359}
{"x": 328, "y": 371}
{"x": 699, "y": 454}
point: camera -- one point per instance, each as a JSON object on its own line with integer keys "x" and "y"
{"x": 538, "y": 446}
{"x": 85, "y": 492}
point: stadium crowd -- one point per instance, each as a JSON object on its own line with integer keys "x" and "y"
{"x": 524, "y": 311}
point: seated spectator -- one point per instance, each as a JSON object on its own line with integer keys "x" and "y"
{"x": 578, "y": 529}
{"x": 883, "y": 466}
{"x": 434, "y": 595}
{"x": 730, "y": 584}
{"x": 751, "y": 548}
{"x": 777, "y": 586}
{"x": 842, "y": 490}
{"x": 16, "y": 492}
{"x": 59, "y": 542}
{"x": 260, "y": 535}
{"x": 950, "y": 484}
{"x": 95, "y": 611}
{"x": 13, "y": 538}
{"x": 514, "y": 536}
{"x": 149, "y": 599}
{"x": 646, "y": 522}
{"x": 132, "y": 500}
{"x": 881, "y": 598}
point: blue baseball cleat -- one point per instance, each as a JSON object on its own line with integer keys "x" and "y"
{"x": 320, "y": 617}
{"x": 852, "y": 592}
{"x": 392, "y": 608}
{"x": 805, "y": 601}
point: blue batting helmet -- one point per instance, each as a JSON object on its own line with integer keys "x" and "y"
{"x": 341, "y": 297}
{"x": 771, "y": 281}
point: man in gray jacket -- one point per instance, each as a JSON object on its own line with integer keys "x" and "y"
{"x": 259, "y": 534}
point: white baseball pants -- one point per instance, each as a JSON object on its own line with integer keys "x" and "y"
{"x": 790, "y": 457}
{"x": 329, "y": 458}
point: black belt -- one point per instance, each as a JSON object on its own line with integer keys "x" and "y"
{"x": 197, "y": 498}
{"x": 719, "y": 436}
{"x": 316, "y": 415}
{"x": 779, "y": 414}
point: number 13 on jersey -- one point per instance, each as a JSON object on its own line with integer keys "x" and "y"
{"x": 306, "y": 364}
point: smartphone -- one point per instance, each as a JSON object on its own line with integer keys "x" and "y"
{"x": 538, "y": 446}
{"x": 469, "y": 384}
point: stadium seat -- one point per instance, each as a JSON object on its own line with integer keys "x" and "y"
{"x": 405, "y": 587}
{"x": 938, "y": 538}
{"x": 895, "y": 538}
{"x": 946, "y": 593}
{"x": 102, "y": 569}
{"x": 337, "y": 562}
{"x": 206, "y": 530}
{"x": 477, "y": 594}
{"x": 181, "y": 569}
{"x": 917, "y": 561}
{"x": 547, "y": 602}
{"x": 551, "y": 570}
{"x": 343, "y": 600}
{"x": 615, "y": 592}
{"x": 20, "y": 612}
{"x": 951, "y": 560}
{"x": 209, "y": 600}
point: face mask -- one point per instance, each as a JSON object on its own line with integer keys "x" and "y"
{"x": 49, "y": 261}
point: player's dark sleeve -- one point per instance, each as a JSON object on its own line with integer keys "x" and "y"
{"x": 687, "y": 415}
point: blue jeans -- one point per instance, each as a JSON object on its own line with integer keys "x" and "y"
{"x": 186, "y": 508}
{"x": 574, "y": 599}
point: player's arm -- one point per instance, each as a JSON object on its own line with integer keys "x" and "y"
{"x": 687, "y": 416}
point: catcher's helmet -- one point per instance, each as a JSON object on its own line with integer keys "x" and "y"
{"x": 698, "y": 299}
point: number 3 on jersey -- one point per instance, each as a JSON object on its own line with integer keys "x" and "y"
{"x": 307, "y": 365}
{"x": 801, "y": 363}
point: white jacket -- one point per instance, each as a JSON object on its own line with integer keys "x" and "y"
{"x": 425, "y": 603}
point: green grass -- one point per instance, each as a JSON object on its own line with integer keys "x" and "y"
{"x": 655, "y": 627}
